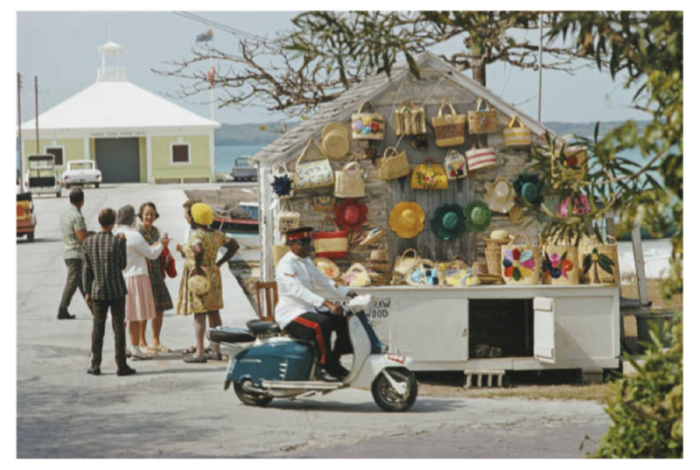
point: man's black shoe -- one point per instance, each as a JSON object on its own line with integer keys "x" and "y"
{"x": 65, "y": 316}
{"x": 326, "y": 376}
{"x": 126, "y": 370}
{"x": 94, "y": 370}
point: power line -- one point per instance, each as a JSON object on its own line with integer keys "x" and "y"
{"x": 220, "y": 26}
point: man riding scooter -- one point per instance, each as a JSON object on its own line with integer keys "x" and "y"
{"x": 303, "y": 310}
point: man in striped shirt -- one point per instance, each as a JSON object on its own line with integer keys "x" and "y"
{"x": 74, "y": 232}
{"x": 105, "y": 290}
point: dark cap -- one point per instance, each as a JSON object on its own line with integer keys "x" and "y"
{"x": 299, "y": 233}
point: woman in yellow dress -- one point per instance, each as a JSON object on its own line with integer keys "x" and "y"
{"x": 200, "y": 252}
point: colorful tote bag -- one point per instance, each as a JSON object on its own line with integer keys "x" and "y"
{"x": 455, "y": 165}
{"x": 429, "y": 175}
{"x": 516, "y": 134}
{"x": 559, "y": 263}
{"x": 315, "y": 174}
{"x": 331, "y": 244}
{"x": 520, "y": 264}
{"x": 483, "y": 119}
{"x": 287, "y": 218}
{"x": 409, "y": 119}
{"x": 449, "y": 128}
{"x": 481, "y": 158}
{"x": 394, "y": 165}
{"x": 350, "y": 181}
{"x": 282, "y": 181}
{"x": 367, "y": 125}
{"x": 598, "y": 262}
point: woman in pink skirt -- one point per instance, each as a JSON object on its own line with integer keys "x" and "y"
{"x": 140, "y": 306}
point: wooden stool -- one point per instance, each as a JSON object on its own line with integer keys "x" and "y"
{"x": 266, "y": 310}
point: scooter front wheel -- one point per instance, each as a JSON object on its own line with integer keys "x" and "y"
{"x": 250, "y": 398}
{"x": 389, "y": 399}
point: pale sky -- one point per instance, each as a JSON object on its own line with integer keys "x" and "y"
{"x": 61, "y": 49}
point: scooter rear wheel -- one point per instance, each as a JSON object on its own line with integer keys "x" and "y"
{"x": 387, "y": 398}
{"x": 250, "y": 398}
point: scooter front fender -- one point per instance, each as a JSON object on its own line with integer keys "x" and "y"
{"x": 375, "y": 364}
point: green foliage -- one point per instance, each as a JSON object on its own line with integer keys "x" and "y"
{"x": 647, "y": 409}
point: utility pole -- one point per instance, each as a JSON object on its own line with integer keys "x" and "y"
{"x": 539, "y": 94}
{"x": 19, "y": 129}
{"x": 36, "y": 110}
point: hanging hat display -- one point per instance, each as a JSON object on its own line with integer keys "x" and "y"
{"x": 500, "y": 196}
{"x": 406, "y": 219}
{"x": 529, "y": 188}
{"x": 477, "y": 216}
{"x": 350, "y": 214}
{"x": 335, "y": 141}
{"x": 447, "y": 221}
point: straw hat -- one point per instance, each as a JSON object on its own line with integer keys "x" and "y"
{"x": 335, "y": 141}
{"x": 477, "y": 216}
{"x": 198, "y": 284}
{"x": 447, "y": 221}
{"x": 406, "y": 219}
{"x": 500, "y": 196}
{"x": 350, "y": 214}
{"x": 327, "y": 267}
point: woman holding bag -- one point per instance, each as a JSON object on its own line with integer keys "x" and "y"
{"x": 200, "y": 288}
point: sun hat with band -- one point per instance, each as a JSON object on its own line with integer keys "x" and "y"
{"x": 448, "y": 221}
{"x": 406, "y": 219}
{"x": 500, "y": 196}
{"x": 202, "y": 214}
{"x": 299, "y": 234}
{"x": 477, "y": 216}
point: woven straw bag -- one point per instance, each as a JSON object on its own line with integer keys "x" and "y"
{"x": 423, "y": 273}
{"x": 516, "y": 134}
{"x": 481, "y": 158}
{"x": 429, "y": 175}
{"x": 520, "y": 263}
{"x": 316, "y": 174}
{"x": 287, "y": 218}
{"x": 331, "y": 244}
{"x": 367, "y": 125}
{"x": 394, "y": 165}
{"x": 483, "y": 119}
{"x": 357, "y": 276}
{"x": 559, "y": 262}
{"x": 598, "y": 262}
{"x": 403, "y": 263}
{"x": 409, "y": 119}
{"x": 573, "y": 159}
{"x": 449, "y": 128}
{"x": 455, "y": 165}
{"x": 350, "y": 181}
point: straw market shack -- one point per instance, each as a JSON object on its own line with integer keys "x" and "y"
{"x": 490, "y": 328}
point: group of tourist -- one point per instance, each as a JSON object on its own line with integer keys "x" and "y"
{"x": 122, "y": 269}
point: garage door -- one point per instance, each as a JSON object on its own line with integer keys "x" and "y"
{"x": 118, "y": 159}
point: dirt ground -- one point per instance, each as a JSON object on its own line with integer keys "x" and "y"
{"x": 658, "y": 302}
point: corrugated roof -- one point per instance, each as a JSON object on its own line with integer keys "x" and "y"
{"x": 117, "y": 105}
{"x": 292, "y": 142}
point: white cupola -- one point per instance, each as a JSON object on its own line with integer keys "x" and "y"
{"x": 110, "y": 66}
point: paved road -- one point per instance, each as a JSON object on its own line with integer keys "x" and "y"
{"x": 171, "y": 409}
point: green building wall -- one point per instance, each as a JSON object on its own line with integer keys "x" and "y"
{"x": 197, "y": 168}
{"x": 74, "y": 149}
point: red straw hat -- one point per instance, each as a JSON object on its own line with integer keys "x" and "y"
{"x": 350, "y": 214}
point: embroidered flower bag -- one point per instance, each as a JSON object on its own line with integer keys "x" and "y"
{"x": 331, "y": 244}
{"x": 516, "y": 134}
{"x": 449, "y": 128}
{"x": 315, "y": 174}
{"x": 559, "y": 263}
{"x": 367, "y": 125}
{"x": 429, "y": 175}
{"x": 520, "y": 264}
{"x": 287, "y": 218}
{"x": 483, "y": 119}
{"x": 282, "y": 181}
{"x": 598, "y": 262}
{"x": 455, "y": 165}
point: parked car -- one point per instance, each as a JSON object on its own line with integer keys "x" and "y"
{"x": 41, "y": 176}
{"x": 26, "y": 220}
{"x": 243, "y": 170}
{"x": 82, "y": 172}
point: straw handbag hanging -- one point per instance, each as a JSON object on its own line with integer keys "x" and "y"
{"x": 598, "y": 262}
{"x": 350, "y": 181}
{"x": 409, "y": 119}
{"x": 516, "y": 134}
{"x": 455, "y": 165}
{"x": 331, "y": 244}
{"x": 429, "y": 175}
{"x": 483, "y": 119}
{"x": 394, "y": 165}
{"x": 520, "y": 263}
{"x": 449, "y": 129}
{"x": 481, "y": 158}
{"x": 315, "y": 174}
{"x": 287, "y": 218}
{"x": 404, "y": 262}
{"x": 573, "y": 159}
{"x": 559, "y": 262}
{"x": 367, "y": 125}
{"x": 282, "y": 181}
{"x": 357, "y": 276}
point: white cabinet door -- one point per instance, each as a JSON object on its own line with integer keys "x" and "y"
{"x": 432, "y": 329}
{"x": 545, "y": 330}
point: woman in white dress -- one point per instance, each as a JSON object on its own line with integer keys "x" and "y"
{"x": 140, "y": 306}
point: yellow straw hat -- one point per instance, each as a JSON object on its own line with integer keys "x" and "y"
{"x": 202, "y": 214}
{"x": 406, "y": 219}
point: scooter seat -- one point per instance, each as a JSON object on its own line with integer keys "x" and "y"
{"x": 260, "y": 327}
{"x": 224, "y": 334}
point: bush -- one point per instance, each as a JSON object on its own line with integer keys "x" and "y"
{"x": 647, "y": 409}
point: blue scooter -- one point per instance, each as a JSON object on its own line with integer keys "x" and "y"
{"x": 277, "y": 366}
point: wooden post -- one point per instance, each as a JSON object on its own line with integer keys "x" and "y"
{"x": 639, "y": 265}
{"x": 19, "y": 129}
{"x": 36, "y": 110}
{"x": 266, "y": 224}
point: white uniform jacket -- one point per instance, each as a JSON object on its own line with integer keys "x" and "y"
{"x": 302, "y": 288}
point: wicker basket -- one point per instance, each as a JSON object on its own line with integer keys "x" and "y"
{"x": 493, "y": 260}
